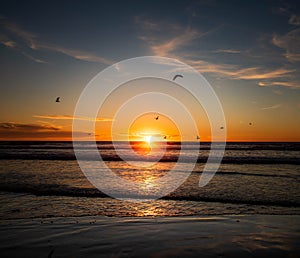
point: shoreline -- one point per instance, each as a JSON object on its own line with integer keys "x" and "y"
{"x": 190, "y": 236}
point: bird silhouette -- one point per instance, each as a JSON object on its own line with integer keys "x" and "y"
{"x": 222, "y": 127}
{"x": 198, "y": 138}
{"x": 165, "y": 137}
{"x": 177, "y": 75}
{"x": 57, "y": 99}
{"x": 250, "y": 123}
{"x": 156, "y": 118}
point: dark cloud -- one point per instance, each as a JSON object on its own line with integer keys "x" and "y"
{"x": 13, "y": 126}
{"x": 23, "y": 131}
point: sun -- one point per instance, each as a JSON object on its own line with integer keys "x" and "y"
{"x": 148, "y": 138}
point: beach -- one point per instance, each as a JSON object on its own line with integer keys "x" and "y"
{"x": 250, "y": 208}
{"x": 206, "y": 236}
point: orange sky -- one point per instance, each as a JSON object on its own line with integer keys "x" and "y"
{"x": 252, "y": 66}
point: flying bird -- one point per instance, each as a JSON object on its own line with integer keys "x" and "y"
{"x": 177, "y": 75}
{"x": 165, "y": 137}
{"x": 250, "y": 123}
{"x": 156, "y": 118}
{"x": 57, "y": 99}
{"x": 222, "y": 127}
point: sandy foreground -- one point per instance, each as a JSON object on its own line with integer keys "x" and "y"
{"x": 226, "y": 236}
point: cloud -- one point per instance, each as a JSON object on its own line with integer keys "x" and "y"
{"x": 8, "y": 43}
{"x": 15, "y": 126}
{"x": 272, "y": 107}
{"x": 178, "y": 46}
{"x": 68, "y": 117}
{"x": 33, "y": 58}
{"x": 168, "y": 46}
{"x": 165, "y": 37}
{"x": 285, "y": 10}
{"x": 256, "y": 73}
{"x": 227, "y": 51}
{"x": 13, "y": 30}
{"x": 76, "y": 54}
{"x": 292, "y": 57}
{"x": 147, "y": 25}
{"x": 290, "y": 42}
{"x": 234, "y": 72}
{"x": 17, "y": 38}
{"x": 32, "y": 131}
{"x": 294, "y": 20}
{"x": 289, "y": 84}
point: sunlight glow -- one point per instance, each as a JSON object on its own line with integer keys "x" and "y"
{"x": 148, "y": 138}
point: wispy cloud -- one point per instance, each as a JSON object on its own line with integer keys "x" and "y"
{"x": 255, "y": 73}
{"x": 7, "y": 42}
{"x": 33, "y": 58}
{"x": 167, "y": 47}
{"x": 227, "y": 51}
{"x": 164, "y": 38}
{"x": 294, "y": 20}
{"x": 289, "y": 42}
{"x": 272, "y": 107}
{"x": 150, "y": 25}
{"x": 76, "y": 54}
{"x": 28, "y": 127}
{"x": 68, "y": 117}
{"x": 18, "y": 38}
{"x": 234, "y": 72}
{"x": 13, "y": 30}
{"x": 288, "y": 84}
{"x": 179, "y": 46}
{"x": 31, "y": 131}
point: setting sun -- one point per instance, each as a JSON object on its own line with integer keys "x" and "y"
{"x": 148, "y": 138}
{"x": 146, "y": 128}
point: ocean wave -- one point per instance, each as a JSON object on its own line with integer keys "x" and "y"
{"x": 251, "y": 146}
{"x": 234, "y": 173}
{"x": 63, "y": 190}
{"x": 166, "y": 158}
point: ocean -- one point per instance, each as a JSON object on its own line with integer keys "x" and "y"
{"x": 42, "y": 179}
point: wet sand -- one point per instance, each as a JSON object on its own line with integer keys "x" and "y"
{"x": 207, "y": 236}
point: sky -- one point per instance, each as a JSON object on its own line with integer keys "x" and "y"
{"x": 249, "y": 52}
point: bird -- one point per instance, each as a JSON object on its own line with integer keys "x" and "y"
{"x": 222, "y": 127}
{"x": 165, "y": 137}
{"x": 57, "y": 99}
{"x": 198, "y": 138}
{"x": 250, "y": 123}
{"x": 156, "y": 118}
{"x": 177, "y": 75}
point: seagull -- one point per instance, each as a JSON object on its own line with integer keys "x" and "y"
{"x": 177, "y": 75}
{"x": 57, "y": 99}
{"x": 156, "y": 118}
